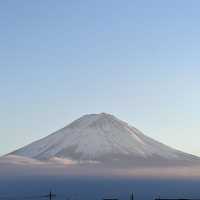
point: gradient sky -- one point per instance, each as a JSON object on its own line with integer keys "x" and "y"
{"x": 139, "y": 60}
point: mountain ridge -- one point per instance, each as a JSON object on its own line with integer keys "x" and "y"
{"x": 103, "y": 138}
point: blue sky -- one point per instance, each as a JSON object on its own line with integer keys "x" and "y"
{"x": 138, "y": 60}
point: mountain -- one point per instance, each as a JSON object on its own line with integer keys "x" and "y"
{"x": 102, "y": 138}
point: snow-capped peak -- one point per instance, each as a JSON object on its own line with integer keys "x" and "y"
{"x": 100, "y": 138}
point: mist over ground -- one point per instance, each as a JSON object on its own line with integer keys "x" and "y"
{"x": 78, "y": 182}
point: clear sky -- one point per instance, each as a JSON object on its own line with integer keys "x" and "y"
{"x": 136, "y": 59}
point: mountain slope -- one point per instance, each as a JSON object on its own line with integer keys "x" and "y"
{"x": 103, "y": 138}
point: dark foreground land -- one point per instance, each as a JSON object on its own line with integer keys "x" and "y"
{"x": 90, "y": 188}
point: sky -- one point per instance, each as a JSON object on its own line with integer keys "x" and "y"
{"x": 136, "y": 59}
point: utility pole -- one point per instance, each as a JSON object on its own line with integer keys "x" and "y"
{"x": 51, "y": 195}
{"x": 132, "y": 196}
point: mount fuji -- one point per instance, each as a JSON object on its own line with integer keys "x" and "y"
{"x": 103, "y": 139}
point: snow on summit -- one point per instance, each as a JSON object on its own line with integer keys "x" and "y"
{"x": 102, "y": 138}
